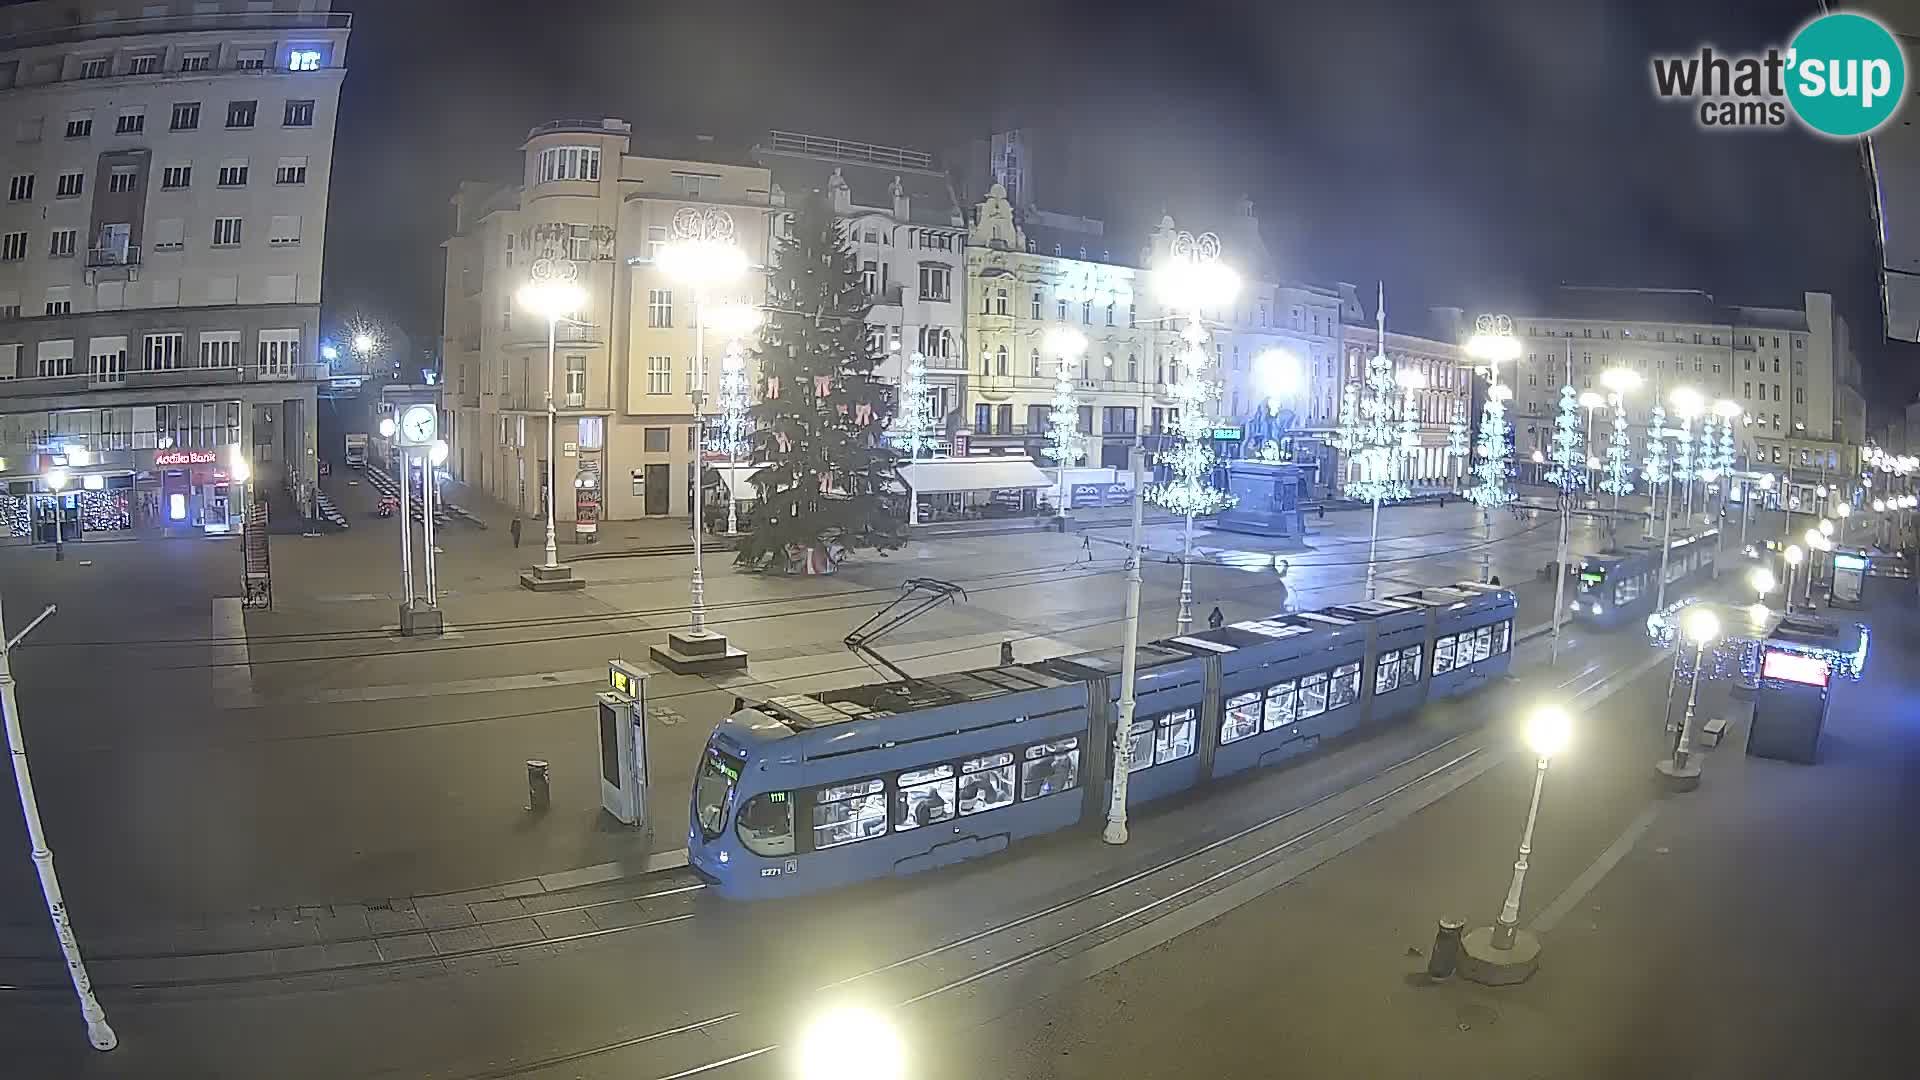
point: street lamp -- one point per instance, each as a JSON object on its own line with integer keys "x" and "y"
{"x": 553, "y": 299}
{"x": 363, "y": 343}
{"x": 57, "y": 480}
{"x": 1700, "y": 626}
{"x": 1503, "y": 953}
{"x": 702, "y": 254}
{"x": 1793, "y": 555}
{"x": 850, "y": 1043}
{"x": 1762, "y": 581}
{"x": 1687, "y": 404}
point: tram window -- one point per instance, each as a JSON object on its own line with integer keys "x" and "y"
{"x": 1503, "y": 636}
{"x": 924, "y": 797}
{"x": 765, "y": 824}
{"x": 1175, "y": 739}
{"x": 1443, "y": 655}
{"x": 1386, "y": 672}
{"x": 986, "y": 783}
{"x": 1344, "y": 687}
{"x": 1243, "y": 718}
{"x": 1141, "y": 741}
{"x": 849, "y": 812}
{"x": 1410, "y": 665}
{"x": 713, "y": 790}
{"x": 1049, "y": 768}
{"x": 1627, "y": 591}
{"x": 1281, "y": 701}
{"x": 1482, "y": 643}
{"x": 1313, "y": 695}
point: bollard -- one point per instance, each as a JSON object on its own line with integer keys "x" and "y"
{"x": 539, "y": 786}
{"x": 1446, "y": 949}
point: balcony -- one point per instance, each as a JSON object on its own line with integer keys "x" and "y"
{"x": 530, "y": 333}
{"x": 82, "y": 382}
{"x": 887, "y": 297}
{"x": 167, "y": 24}
{"x": 573, "y": 401}
{"x": 113, "y": 256}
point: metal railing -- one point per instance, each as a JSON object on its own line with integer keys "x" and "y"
{"x": 165, "y": 24}
{"x": 792, "y": 142}
{"x": 597, "y": 125}
{"x": 113, "y": 256}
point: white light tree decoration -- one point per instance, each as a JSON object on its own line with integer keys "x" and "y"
{"x": 1655, "y": 470}
{"x": 1568, "y": 474}
{"x": 1457, "y": 443}
{"x": 1618, "y": 480}
{"x": 1683, "y": 465}
{"x": 1378, "y": 447}
{"x": 1066, "y": 444}
{"x": 1192, "y": 278}
{"x": 733, "y": 419}
{"x": 1493, "y": 344}
{"x": 916, "y": 421}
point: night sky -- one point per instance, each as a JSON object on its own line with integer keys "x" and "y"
{"x": 1471, "y": 153}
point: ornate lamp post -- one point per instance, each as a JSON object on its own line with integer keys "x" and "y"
{"x": 553, "y": 293}
{"x": 1680, "y": 772}
{"x": 701, "y": 254}
{"x": 1066, "y": 443}
{"x": 1503, "y": 953}
{"x": 1569, "y": 477}
{"x": 1193, "y": 278}
{"x": 1687, "y": 404}
{"x": 1619, "y": 466}
{"x": 1378, "y": 438}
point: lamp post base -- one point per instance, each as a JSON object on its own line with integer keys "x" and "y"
{"x": 698, "y": 654}
{"x": 551, "y": 579}
{"x": 417, "y": 619}
{"x": 1678, "y": 777}
{"x": 1484, "y": 963}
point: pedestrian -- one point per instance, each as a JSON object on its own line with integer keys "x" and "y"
{"x": 1086, "y": 546}
{"x": 514, "y": 528}
{"x": 1006, "y": 654}
{"x": 1215, "y": 620}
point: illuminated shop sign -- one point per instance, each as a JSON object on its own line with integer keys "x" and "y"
{"x": 1795, "y": 667}
{"x": 173, "y": 459}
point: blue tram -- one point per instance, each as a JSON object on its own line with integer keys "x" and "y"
{"x": 1621, "y": 587}
{"x": 806, "y": 792}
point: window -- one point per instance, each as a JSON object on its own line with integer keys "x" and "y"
{"x": 97, "y": 68}
{"x": 1110, "y": 310}
{"x": 1086, "y": 312}
{"x": 279, "y": 351}
{"x": 10, "y": 361}
{"x": 1776, "y": 392}
{"x": 143, "y": 65}
{"x": 705, "y": 185}
{"x": 1000, "y": 361}
{"x": 220, "y": 349}
{"x": 62, "y": 243}
{"x": 59, "y": 300}
{"x": 936, "y": 282}
{"x": 986, "y": 783}
{"x": 845, "y": 813}
{"x": 13, "y": 247}
{"x": 285, "y": 231}
{"x": 924, "y": 797}
{"x": 1243, "y": 718}
{"x": 123, "y": 179}
{"x": 240, "y": 113}
{"x": 999, "y": 301}
{"x": 936, "y": 342}
{"x": 164, "y": 352}
{"x": 293, "y": 170}
{"x": 55, "y": 358}
{"x": 196, "y": 61}
{"x": 1396, "y": 668}
{"x": 1443, "y": 654}
{"x": 654, "y": 440}
{"x": 1174, "y": 736}
{"x": 79, "y": 125}
{"x": 20, "y": 189}
{"x": 660, "y": 308}
{"x": 70, "y": 185}
{"x": 569, "y": 163}
{"x": 1050, "y": 767}
{"x": 1344, "y": 686}
{"x": 107, "y": 360}
{"x": 303, "y": 60}
{"x": 226, "y": 232}
{"x": 233, "y": 172}
{"x": 252, "y": 60}
{"x": 765, "y": 823}
{"x": 1746, "y": 389}
{"x": 186, "y": 116}
{"x": 1061, "y": 313}
{"x": 175, "y": 177}
{"x": 593, "y": 432}
{"x": 167, "y": 234}
{"x": 298, "y": 114}
{"x": 1313, "y": 695}
{"x": 1035, "y": 312}
{"x": 576, "y": 380}
{"x": 659, "y": 374}
{"x": 131, "y": 122}
{"x": 1799, "y": 395}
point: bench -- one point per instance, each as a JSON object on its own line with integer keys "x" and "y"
{"x": 1713, "y": 731}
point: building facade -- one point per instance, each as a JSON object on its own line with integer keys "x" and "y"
{"x": 909, "y": 238}
{"x": 167, "y": 169}
{"x": 1792, "y": 371}
{"x": 592, "y": 210}
{"x": 1427, "y": 347}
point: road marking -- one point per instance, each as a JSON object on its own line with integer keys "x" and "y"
{"x": 1564, "y": 903}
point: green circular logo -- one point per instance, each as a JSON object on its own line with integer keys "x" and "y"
{"x": 1846, "y": 75}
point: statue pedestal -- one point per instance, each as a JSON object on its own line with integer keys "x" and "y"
{"x": 1269, "y": 500}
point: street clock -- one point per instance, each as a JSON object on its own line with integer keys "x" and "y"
{"x": 417, "y": 425}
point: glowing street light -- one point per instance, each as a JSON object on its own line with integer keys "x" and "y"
{"x": 554, "y": 300}
{"x": 1793, "y": 555}
{"x": 1762, "y": 581}
{"x": 1504, "y": 953}
{"x": 851, "y": 1043}
{"x": 1700, "y": 626}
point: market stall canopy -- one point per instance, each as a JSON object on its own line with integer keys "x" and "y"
{"x": 986, "y": 473}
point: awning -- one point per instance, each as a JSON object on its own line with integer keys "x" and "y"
{"x": 738, "y": 480}
{"x": 946, "y": 475}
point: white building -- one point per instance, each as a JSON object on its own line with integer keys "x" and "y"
{"x": 1427, "y": 346}
{"x": 1792, "y": 371}
{"x": 166, "y": 169}
{"x": 909, "y": 239}
{"x": 587, "y": 204}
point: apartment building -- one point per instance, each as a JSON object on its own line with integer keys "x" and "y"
{"x": 592, "y": 207}
{"x": 166, "y": 169}
{"x": 909, "y": 238}
{"x": 1792, "y": 371}
{"x": 1426, "y": 345}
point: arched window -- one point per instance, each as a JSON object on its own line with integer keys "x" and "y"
{"x": 1036, "y": 363}
{"x": 1000, "y": 360}
{"x": 1000, "y": 301}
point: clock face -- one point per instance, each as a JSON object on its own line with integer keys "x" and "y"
{"x": 416, "y": 425}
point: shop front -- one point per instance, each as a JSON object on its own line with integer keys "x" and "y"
{"x": 186, "y": 491}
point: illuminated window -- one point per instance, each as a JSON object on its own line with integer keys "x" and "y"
{"x": 303, "y": 60}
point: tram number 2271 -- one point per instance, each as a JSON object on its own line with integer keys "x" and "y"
{"x": 775, "y": 871}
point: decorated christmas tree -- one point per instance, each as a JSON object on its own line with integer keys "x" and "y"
{"x": 1457, "y": 439}
{"x": 1066, "y": 445}
{"x": 1378, "y": 445}
{"x": 1492, "y": 453}
{"x": 1568, "y": 470}
{"x": 1619, "y": 472}
{"x": 1655, "y": 470}
{"x": 822, "y": 413}
{"x": 1190, "y": 490}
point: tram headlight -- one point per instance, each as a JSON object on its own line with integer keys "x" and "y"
{"x": 1596, "y": 609}
{"x": 723, "y": 855}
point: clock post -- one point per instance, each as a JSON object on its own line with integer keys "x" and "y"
{"x": 417, "y": 434}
